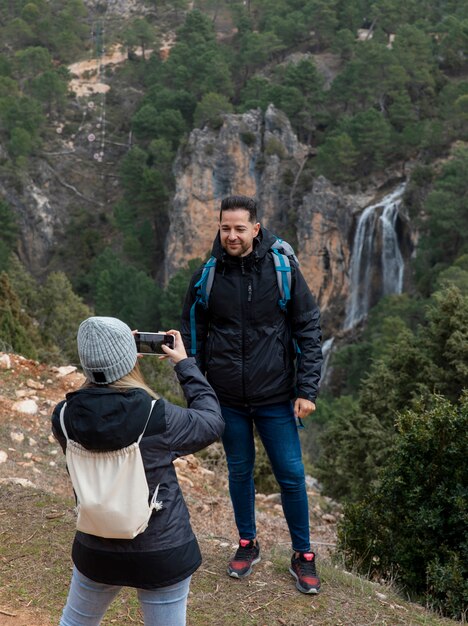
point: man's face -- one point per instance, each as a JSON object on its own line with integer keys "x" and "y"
{"x": 237, "y": 232}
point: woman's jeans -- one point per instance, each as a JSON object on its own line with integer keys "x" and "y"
{"x": 88, "y": 601}
{"x": 276, "y": 426}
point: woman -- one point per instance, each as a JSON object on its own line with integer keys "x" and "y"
{"x": 108, "y": 413}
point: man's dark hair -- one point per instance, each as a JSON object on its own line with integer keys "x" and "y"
{"x": 231, "y": 203}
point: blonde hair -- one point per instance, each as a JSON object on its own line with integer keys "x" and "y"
{"x": 132, "y": 380}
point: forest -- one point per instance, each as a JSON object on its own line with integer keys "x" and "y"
{"x": 389, "y": 438}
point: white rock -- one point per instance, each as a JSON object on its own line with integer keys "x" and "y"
{"x": 17, "y": 437}
{"x": 3, "y": 456}
{"x": 184, "y": 480}
{"x": 24, "y": 482}
{"x": 5, "y": 361}
{"x": 65, "y": 370}
{"x": 34, "y": 384}
{"x": 207, "y": 472}
{"x": 274, "y": 498}
{"x": 21, "y": 393}
{"x": 32, "y": 442}
{"x": 26, "y": 406}
{"x": 313, "y": 483}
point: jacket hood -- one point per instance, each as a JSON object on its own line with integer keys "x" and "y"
{"x": 106, "y": 419}
{"x": 262, "y": 244}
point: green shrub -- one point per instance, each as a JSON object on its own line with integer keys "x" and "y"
{"x": 405, "y": 366}
{"x": 412, "y": 528}
{"x": 17, "y": 329}
{"x": 274, "y": 146}
{"x": 248, "y": 137}
{"x": 210, "y": 111}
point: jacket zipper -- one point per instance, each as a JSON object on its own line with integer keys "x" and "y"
{"x": 244, "y": 317}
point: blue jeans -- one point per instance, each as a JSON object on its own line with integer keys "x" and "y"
{"x": 277, "y": 429}
{"x": 88, "y": 601}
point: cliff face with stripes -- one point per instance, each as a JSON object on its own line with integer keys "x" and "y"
{"x": 65, "y": 199}
{"x": 255, "y": 153}
{"x": 258, "y": 154}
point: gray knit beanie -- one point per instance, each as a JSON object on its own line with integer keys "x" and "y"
{"x": 107, "y": 349}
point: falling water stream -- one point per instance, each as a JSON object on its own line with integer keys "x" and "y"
{"x": 382, "y": 217}
{"x": 375, "y": 254}
{"x": 326, "y": 352}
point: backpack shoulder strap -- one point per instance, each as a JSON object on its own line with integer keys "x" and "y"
{"x": 62, "y": 420}
{"x": 203, "y": 287}
{"x": 153, "y": 402}
{"x": 282, "y": 252}
{"x": 285, "y": 247}
{"x": 205, "y": 283}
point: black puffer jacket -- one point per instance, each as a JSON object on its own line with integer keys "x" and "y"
{"x": 101, "y": 418}
{"x": 244, "y": 339}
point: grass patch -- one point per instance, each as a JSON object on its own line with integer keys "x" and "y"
{"x": 36, "y": 535}
{"x": 37, "y": 531}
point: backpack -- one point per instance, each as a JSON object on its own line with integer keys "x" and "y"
{"x": 111, "y": 488}
{"x": 282, "y": 252}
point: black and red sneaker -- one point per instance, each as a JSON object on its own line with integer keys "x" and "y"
{"x": 303, "y": 570}
{"x": 247, "y": 554}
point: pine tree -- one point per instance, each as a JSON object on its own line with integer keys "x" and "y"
{"x": 17, "y": 330}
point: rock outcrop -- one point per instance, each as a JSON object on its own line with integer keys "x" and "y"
{"x": 248, "y": 155}
{"x": 324, "y": 223}
{"x": 73, "y": 179}
{"x": 259, "y": 155}
{"x": 256, "y": 153}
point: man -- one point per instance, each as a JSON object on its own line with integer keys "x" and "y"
{"x": 245, "y": 345}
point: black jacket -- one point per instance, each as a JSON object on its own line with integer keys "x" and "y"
{"x": 101, "y": 418}
{"x": 245, "y": 341}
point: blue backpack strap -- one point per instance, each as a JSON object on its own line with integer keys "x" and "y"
{"x": 286, "y": 247}
{"x": 281, "y": 253}
{"x": 205, "y": 283}
{"x": 283, "y": 275}
{"x": 203, "y": 287}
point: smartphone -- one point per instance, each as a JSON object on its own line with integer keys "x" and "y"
{"x": 150, "y": 343}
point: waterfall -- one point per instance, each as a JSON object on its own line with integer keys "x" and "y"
{"x": 326, "y": 353}
{"x": 392, "y": 260}
{"x": 377, "y": 219}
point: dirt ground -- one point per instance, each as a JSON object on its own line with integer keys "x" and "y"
{"x": 30, "y": 456}
{"x": 25, "y": 618}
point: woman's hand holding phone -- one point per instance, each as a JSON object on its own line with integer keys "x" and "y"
{"x": 178, "y": 353}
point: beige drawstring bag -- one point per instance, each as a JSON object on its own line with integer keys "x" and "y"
{"x": 111, "y": 488}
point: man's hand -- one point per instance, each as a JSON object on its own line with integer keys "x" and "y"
{"x": 303, "y": 408}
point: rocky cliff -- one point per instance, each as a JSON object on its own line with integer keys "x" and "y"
{"x": 259, "y": 155}
{"x": 75, "y": 180}
{"x": 247, "y": 155}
